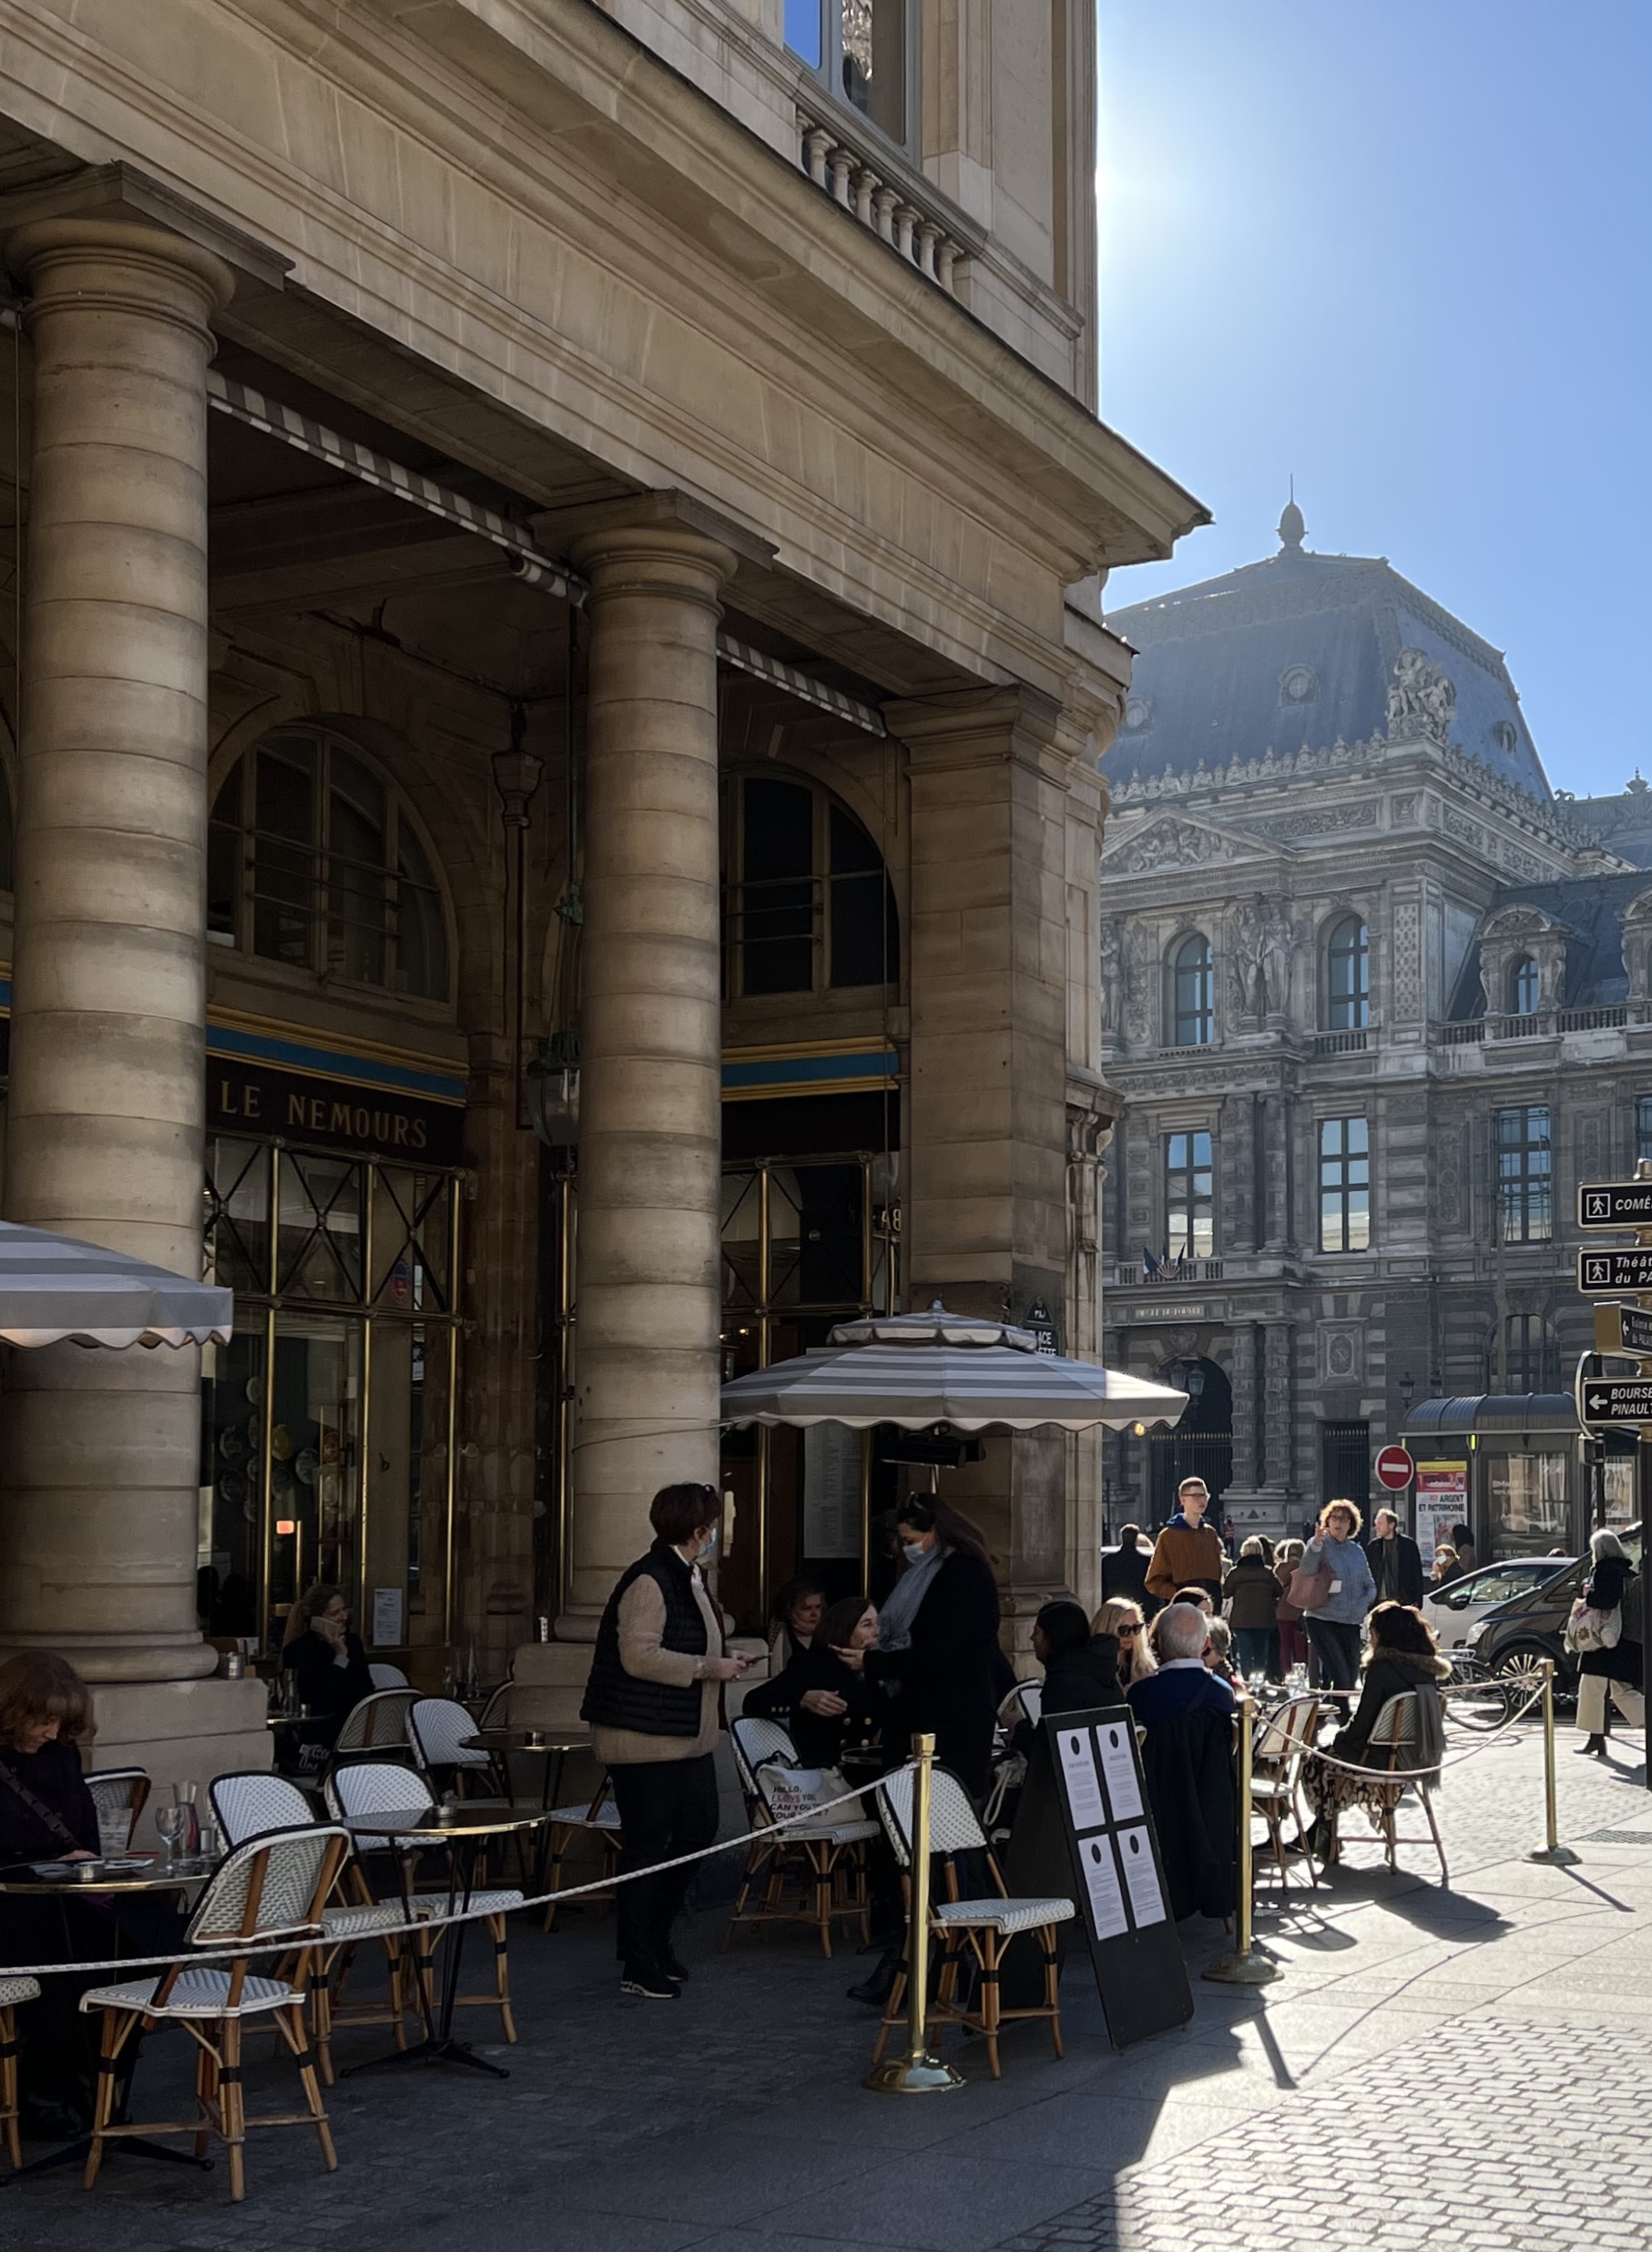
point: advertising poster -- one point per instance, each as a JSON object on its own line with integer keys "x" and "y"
{"x": 1439, "y": 1499}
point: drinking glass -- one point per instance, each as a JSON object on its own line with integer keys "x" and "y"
{"x": 169, "y": 1824}
{"x": 114, "y": 1828}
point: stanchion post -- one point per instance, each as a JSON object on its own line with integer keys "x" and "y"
{"x": 1247, "y": 1965}
{"x": 917, "y": 2073}
{"x": 1557, "y": 1855}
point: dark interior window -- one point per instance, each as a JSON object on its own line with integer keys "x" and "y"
{"x": 807, "y": 902}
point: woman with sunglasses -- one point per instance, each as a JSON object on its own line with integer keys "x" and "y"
{"x": 1123, "y": 1620}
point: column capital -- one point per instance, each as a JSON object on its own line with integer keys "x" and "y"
{"x": 967, "y": 725}
{"x": 114, "y": 207}
{"x": 668, "y": 529}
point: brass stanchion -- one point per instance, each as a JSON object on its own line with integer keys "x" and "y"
{"x": 1557, "y": 1855}
{"x": 1247, "y": 1965}
{"x": 917, "y": 2073}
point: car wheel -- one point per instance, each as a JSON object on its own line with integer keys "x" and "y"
{"x": 1519, "y": 1667}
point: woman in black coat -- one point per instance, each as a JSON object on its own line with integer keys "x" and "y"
{"x": 1613, "y": 1587}
{"x": 938, "y": 1643}
{"x": 327, "y": 1661}
{"x": 827, "y": 1706}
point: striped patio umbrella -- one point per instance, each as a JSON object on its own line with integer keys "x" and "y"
{"x": 915, "y": 1369}
{"x": 53, "y": 1286}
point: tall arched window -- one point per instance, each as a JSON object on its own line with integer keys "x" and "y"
{"x": 1348, "y": 964}
{"x": 1193, "y": 992}
{"x": 807, "y": 903}
{"x": 313, "y": 859}
{"x": 1526, "y": 987}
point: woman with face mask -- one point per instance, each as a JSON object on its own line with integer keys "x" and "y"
{"x": 938, "y": 1652}
{"x": 653, "y": 1698}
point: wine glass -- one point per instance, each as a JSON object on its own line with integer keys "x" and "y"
{"x": 170, "y": 1823}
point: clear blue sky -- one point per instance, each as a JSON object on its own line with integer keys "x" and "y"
{"x": 1401, "y": 249}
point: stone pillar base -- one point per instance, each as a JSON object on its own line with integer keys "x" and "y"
{"x": 182, "y": 1731}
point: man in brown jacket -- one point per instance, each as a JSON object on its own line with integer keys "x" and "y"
{"x": 1189, "y": 1551}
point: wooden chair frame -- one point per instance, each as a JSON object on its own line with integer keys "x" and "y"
{"x": 951, "y": 1825}
{"x": 600, "y": 1818}
{"x": 221, "y": 2111}
{"x": 12, "y": 1992}
{"x": 1280, "y": 1744}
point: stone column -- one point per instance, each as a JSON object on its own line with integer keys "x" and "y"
{"x": 97, "y": 1536}
{"x": 650, "y": 1043}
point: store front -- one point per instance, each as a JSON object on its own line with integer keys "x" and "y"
{"x": 327, "y": 1422}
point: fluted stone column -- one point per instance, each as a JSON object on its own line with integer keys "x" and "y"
{"x": 97, "y": 1534}
{"x": 650, "y": 1044}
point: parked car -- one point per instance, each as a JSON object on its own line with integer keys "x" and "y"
{"x": 1532, "y": 1626}
{"x": 1457, "y": 1609}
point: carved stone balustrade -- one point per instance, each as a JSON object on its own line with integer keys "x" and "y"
{"x": 887, "y": 197}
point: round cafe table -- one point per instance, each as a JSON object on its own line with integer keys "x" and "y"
{"x": 543, "y": 1744}
{"x": 123, "y": 1875}
{"x": 463, "y": 1830}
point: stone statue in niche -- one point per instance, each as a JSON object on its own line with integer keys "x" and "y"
{"x": 1278, "y": 942}
{"x": 1421, "y": 701}
{"x": 1246, "y": 955}
{"x": 1111, "y": 973}
{"x": 1140, "y": 983}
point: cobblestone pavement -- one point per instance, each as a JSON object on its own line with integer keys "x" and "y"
{"x": 1465, "y": 2063}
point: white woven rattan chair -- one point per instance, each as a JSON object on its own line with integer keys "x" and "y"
{"x": 814, "y": 1873}
{"x": 372, "y": 1787}
{"x": 276, "y": 1884}
{"x": 249, "y": 1804}
{"x": 597, "y": 1818}
{"x": 1280, "y": 1742}
{"x": 119, "y": 1790}
{"x": 982, "y": 1926}
{"x": 385, "y": 1677}
{"x": 1394, "y": 1738}
{"x": 12, "y": 1992}
{"x": 379, "y": 1723}
{"x": 440, "y": 1726}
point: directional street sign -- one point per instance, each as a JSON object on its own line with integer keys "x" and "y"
{"x": 1615, "y": 1399}
{"x": 1608, "y": 1272}
{"x": 1622, "y": 1329}
{"x": 1615, "y": 1204}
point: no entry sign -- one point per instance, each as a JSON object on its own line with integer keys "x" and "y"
{"x": 1395, "y": 1469}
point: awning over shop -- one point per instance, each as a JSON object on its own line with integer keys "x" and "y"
{"x": 915, "y": 1369}
{"x": 53, "y": 1286}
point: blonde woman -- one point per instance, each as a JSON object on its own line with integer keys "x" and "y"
{"x": 1122, "y": 1618}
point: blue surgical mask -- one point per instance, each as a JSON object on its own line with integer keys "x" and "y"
{"x": 914, "y": 1551}
{"x": 707, "y": 1550}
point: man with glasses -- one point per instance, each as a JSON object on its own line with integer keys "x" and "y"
{"x": 1189, "y": 1551}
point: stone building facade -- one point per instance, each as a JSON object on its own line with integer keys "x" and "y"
{"x": 1377, "y": 1001}
{"x": 551, "y": 551}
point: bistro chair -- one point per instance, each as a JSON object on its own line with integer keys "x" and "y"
{"x": 497, "y": 1712}
{"x": 12, "y": 1992}
{"x": 1395, "y": 1735}
{"x": 984, "y": 1927}
{"x": 119, "y": 1790}
{"x": 379, "y": 1724}
{"x": 1280, "y": 1742}
{"x": 440, "y": 1726}
{"x": 386, "y": 1676}
{"x": 276, "y": 1883}
{"x": 812, "y": 1873}
{"x": 251, "y": 1804}
{"x": 370, "y": 1788}
{"x": 598, "y": 1820}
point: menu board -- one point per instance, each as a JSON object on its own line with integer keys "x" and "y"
{"x": 1119, "y": 1881}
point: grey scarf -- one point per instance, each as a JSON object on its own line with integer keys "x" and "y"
{"x": 900, "y": 1606}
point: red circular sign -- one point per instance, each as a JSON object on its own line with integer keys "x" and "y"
{"x": 1395, "y": 1469}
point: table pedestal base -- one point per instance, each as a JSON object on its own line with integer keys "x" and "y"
{"x": 438, "y": 2049}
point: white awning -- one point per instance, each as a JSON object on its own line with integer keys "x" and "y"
{"x": 54, "y": 1287}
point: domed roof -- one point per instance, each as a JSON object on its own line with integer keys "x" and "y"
{"x": 1296, "y": 653}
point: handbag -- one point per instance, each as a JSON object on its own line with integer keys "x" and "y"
{"x": 1310, "y": 1590}
{"x": 1589, "y": 1629}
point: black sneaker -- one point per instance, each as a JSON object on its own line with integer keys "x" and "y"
{"x": 673, "y": 1965}
{"x": 647, "y": 1985}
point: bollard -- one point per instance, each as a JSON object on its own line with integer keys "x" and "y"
{"x": 1247, "y": 1965}
{"x": 1557, "y": 1855}
{"x": 917, "y": 2073}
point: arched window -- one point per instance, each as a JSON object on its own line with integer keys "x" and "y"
{"x": 1347, "y": 966}
{"x": 808, "y": 906}
{"x": 1526, "y": 987}
{"x": 312, "y": 860}
{"x": 1193, "y": 992}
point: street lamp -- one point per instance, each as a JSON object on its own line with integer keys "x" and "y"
{"x": 1408, "y": 1385}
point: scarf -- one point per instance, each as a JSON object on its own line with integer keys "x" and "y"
{"x": 900, "y": 1606}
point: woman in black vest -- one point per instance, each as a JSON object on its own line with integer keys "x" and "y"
{"x": 937, "y": 1652}
{"x": 652, "y": 1699}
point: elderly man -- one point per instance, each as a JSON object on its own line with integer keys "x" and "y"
{"x": 1396, "y": 1561}
{"x": 1188, "y": 1766}
{"x": 1189, "y": 1551}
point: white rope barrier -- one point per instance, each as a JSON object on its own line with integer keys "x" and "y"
{"x": 289, "y": 1936}
{"x": 1409, "y": 1775}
